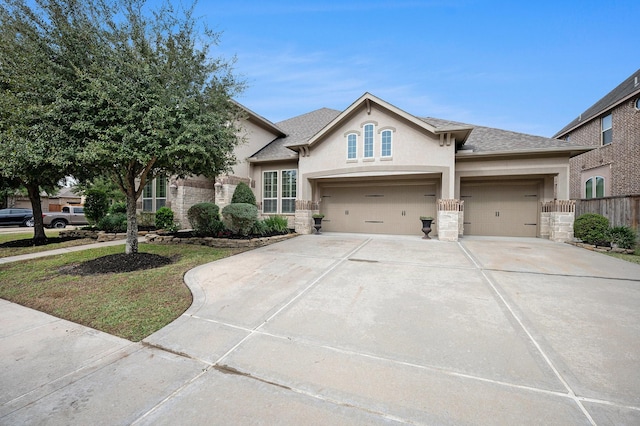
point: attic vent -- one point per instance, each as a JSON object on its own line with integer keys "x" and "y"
{"x": 635, "y": 82}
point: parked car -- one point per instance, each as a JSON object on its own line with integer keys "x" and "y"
{"x": 70, "y": 215}
{"x": 22, "y": 217}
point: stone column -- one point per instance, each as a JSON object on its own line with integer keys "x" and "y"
{"x": 450, "y": 218}
{"x": 561, "y": 215}
{"x": 304, "y": 216}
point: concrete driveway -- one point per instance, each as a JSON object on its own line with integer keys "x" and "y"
{"x": 353, "y": 329}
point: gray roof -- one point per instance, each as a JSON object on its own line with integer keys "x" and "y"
{"x": 481, "y": 139}
{"x": 488, "y": 139}
{"x": 627, "y": 88}
{"x": 298, "y": 130}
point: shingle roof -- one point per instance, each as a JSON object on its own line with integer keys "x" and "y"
{"x": 627, "y": 88}
{"x": 298, "y": 130}
{"x": 481, "y": 139}
{"x": 488, "y": 139}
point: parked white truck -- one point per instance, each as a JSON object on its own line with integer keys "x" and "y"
{"x": 70, "y": 215}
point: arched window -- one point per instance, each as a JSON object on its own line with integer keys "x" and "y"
{"x": 386, "y": 144}
{"x": 368, "y": 141}
{"x": 352, "y": 146}
{"x": 594, "y": 187}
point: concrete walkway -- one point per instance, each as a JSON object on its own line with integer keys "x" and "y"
{"x": 353, "y": 329}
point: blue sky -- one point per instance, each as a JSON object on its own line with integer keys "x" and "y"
{"x": 526, "y": 66}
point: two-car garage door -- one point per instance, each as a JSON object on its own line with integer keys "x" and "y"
{"x": 377, "y": 209}
{"x": 501, "y": 209}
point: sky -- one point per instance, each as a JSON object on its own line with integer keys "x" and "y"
{"x": 525, "y": 66}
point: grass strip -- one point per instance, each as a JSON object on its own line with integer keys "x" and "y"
{"x": 15, "y": 251}
{"x": 131, "y": 305}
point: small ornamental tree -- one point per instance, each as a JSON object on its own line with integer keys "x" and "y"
{"x": 96, "y": 205}
{"x": 243, "y": 194}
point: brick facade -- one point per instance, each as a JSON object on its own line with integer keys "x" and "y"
{"x": 622, "y": 155}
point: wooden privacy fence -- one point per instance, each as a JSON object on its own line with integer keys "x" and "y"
{"x": 621, "y": 211}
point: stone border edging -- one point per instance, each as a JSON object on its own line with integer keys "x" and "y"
{"x": 99, "y": 236}
{"x": 218, "y": 242}
{"x": 601, "y": 249}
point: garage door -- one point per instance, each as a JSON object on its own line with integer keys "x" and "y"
{"x": 500, "y": 209}
{"x": 377, "y": 209}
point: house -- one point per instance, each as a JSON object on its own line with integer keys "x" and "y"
{"x": 612, "y": 126}
{"x": 50, "y": 203}
{"x": 374, "y": 168}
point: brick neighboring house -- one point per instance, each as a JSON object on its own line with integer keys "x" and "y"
{"x": 612, "y": 125}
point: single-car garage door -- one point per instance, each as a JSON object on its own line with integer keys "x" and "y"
{"x": 500, "y": 209}
{"x": 394, "y": 209}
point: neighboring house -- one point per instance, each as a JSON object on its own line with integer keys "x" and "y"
{"x": 374, "y": 168}
{"x": 50, "y": 203}
{"x": 612, "y": 126}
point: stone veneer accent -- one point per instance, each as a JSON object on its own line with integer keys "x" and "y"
{"x": 450, "y": 219}
{"x": 303, "y": 221}
{"x": 556, "y": 220}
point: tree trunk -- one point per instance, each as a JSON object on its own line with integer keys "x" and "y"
{"x": 36, "y": 205}
{"x": 132, "y": 223}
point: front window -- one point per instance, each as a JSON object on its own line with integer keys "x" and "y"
{"x": 352, "y": 147}
{"x": 594, "y": 187}
{"x": 607, "y": 129}
{"x": 368, "y": 141}
{"x": 289, "y": 191}
{"x": 154, "y": 195}
{"x": 270, "y": 192}
{"x": 386, "y": 143}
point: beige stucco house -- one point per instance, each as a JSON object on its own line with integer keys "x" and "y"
{"x": 374, "y": 168}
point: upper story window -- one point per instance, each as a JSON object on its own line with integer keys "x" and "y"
{"x": 607, "y": 129}
{"x": 352, "y": 146}
{"x": 386, "y": 144}
{"x": 594, "y": 187}
{"x": 368, "y": 141}
{"x": 154, "y": 195}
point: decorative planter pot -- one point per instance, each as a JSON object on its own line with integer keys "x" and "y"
{"x": 426, "y": 228}
{"x": 317, "y": 223}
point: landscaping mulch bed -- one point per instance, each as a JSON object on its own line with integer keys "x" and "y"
{"x": 30, "y": 242}
{"x": 121, "y": 262}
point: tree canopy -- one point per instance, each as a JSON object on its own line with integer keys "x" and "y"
{"x": 135, "y": 93}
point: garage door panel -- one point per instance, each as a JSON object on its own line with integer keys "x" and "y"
{"x": 377, "y": 209}
{"x": 501, "y": 209}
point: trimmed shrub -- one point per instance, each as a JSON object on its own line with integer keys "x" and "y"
{"x": 116, "y": 222}
{"x": 243, "y": 194}
{"x": 119, "y": 207}
{"x": 96, "y": 205}
{"x": 205, "y": 219}
{"x": 591, "y": 228}
{"x": 260, "y": 228}
{"x": 277, "y": 224}
{"x": 622, "y": 236}
{"x": 164, "y": 218}
{"x": 240, "y": 217}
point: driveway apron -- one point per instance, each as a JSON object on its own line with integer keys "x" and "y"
{"x": 353, "y": 329}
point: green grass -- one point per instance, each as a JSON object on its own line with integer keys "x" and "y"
{"x": 634, "y": 258}
{"x": 15, "y": 251}
{"x": 131, "y": 305}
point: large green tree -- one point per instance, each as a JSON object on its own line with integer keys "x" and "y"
{"x": 153, "y": 102}
{"x": 141, "y": 94}
{"x": 34, "y": 151}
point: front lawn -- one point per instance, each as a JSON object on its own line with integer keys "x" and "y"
{"x": 635, "y": 257}
{"x": 131, "y": 305}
